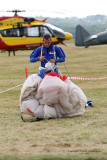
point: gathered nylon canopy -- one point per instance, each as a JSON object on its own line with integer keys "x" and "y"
{"x": 54, "y": 96}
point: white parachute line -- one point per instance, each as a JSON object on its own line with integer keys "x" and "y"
{"x": 11, "y": 88}
{"x": 66, "y": 71}
{"x": 75, "y": 78}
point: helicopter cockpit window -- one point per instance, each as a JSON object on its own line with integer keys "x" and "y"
{"x": 45, "y": 30}
{"x": 33, "y": 31}
{"x": 55, "y": 30}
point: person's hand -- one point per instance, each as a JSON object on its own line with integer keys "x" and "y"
{"x": 41, "y": 58}
{"x": 52, "y": 60}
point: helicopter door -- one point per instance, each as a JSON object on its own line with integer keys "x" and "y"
{"x": 33, "y": 35}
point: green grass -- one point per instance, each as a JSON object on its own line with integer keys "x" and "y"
{"x": 69, "y": 138}
{"x": 80, "y": 156}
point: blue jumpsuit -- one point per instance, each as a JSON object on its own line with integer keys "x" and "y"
{"x": 53, "y": 52}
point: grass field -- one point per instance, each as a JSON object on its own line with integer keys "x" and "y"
{"x": 69, "y": 138}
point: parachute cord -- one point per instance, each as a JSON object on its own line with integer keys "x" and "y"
{"x": 22, "y": 118}
{"x": 67, "y": 71}
{"x": 37, "y": 118}
{"x": 59, "y": 71}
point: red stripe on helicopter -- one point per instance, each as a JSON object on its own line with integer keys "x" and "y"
{"x": 4, "y": 18}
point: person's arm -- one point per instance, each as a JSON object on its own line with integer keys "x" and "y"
{"x": 34, "y": 57}
{"x": 59, "y": 53}
{"x": 60, "y": 60}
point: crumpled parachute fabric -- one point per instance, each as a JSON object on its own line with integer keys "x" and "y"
{"x": 53, "y": 96}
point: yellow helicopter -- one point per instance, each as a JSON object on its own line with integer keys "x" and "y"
{"x": 23, "y": 33}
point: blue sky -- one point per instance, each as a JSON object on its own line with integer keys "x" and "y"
{"x": 56, "y": 8}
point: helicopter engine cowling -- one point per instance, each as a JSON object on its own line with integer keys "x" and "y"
{"x": 29, "y": 20}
